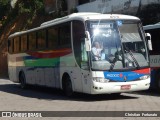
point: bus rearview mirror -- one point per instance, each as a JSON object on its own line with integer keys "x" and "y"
{"x": 87, "y": 41}
{"x": 148, "y": 38}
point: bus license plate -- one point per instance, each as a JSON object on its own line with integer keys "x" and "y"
{"x": 125, "y": 87}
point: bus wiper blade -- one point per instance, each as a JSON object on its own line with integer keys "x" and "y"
{"x": 134, "y": 59}
{"x": 112, "y": 61}
{"x": 112, "y": 66}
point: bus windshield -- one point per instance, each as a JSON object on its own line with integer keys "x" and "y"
{"x": 117, "y": 45}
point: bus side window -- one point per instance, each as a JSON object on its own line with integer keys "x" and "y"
{"x": 16, "y": 44}
{"x": 10, "y": 46}
{"x": 78, "y": 43}
{"x": 23, "y": 43}
{"x": 32, "y": 41}
{"x": 155, "y": 40}
{"x": 52, "y": 37}
{"x": 65, "y": 35}
{"x": 41, "y": 39}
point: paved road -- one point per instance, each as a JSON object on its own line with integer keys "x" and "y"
{"x": 13, "y": 98}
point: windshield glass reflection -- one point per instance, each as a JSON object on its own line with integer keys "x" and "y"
{"x": 117, "y": 45}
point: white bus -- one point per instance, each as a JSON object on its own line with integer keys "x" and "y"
{"x": 61, "y": 54}
{"x": 154, "y": 30}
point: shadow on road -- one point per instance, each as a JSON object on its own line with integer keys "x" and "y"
{"x": 149, "y": 92}
{"x": 56, "y": 94}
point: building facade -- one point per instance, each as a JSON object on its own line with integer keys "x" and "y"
{"x": 64, "y": 5}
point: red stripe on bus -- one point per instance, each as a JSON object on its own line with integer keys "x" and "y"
{"x": 51, "y": 54}
{"x": 143, "y": 71}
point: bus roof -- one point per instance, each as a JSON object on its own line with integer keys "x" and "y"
{"x": 79, "y": 16}
{"x": 154, "y": 26}
{"x": 89, "y": 16}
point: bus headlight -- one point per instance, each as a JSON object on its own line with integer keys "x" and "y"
{"x": 100, "y": 79}
{"x": 144, "y": 77}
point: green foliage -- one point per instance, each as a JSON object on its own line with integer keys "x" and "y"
{"x": 4, "y": 2}
{"x": 23, "y": 9}
{"x": 29, "y": 6}
{"x": 4, "y": 7}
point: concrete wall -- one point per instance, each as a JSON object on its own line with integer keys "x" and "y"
{"x": 71, "y": 4}
{"x": 116, "y": 6}
{"x": 53, "y": 5}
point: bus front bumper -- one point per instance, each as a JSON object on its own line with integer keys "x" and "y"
{"x": 119, "y": 87}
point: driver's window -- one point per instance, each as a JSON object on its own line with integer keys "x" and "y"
{"x": 80, "y": 53}
{"x": 84, "y": 52}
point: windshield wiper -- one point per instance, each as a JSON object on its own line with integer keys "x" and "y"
{"x": 112, "y": 60}
{"x": 112, "y": 64}
{"x": 134, "y": 59}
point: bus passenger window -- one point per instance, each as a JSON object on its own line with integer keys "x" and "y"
{"x": 23, "y": 43}
{"x": 32, "y": 41}
{"x": 52, "y": 37}
{"x": 10, "y": 45}
{"x": 41, "y": 39}
{"x": 65, "y": 35}
{"x": 16, "y": 44}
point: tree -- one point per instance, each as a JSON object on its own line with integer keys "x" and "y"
{"x": 4, "y": 6}
{"x": 150, "y": 14}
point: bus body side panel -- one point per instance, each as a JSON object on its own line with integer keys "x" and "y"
{"x": 87, "y": 81}
{"x": 12, "y": 73}
{"x": 155, "y": 66}
{"x": 153, "y": 73}
{"x": 69, "y": 66}
{"x": 42, "y": 70}
{"x": 14, "y": 66}
{"x": 154, "y": 30}
{"x": 45, "y": 71}
{"x": 50, "y": 77}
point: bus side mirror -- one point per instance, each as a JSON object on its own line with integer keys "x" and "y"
{"x": 87, "y": 41}
{"x": 148, "y": 38}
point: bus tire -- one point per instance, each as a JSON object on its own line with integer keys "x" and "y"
{"x": 157, "y": 82}
{"x": 22, "y": 80}
{"x": 67, "y": 86}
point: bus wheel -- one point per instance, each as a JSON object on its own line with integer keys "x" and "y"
{"x": 67, "y": 86}
{"x": 22, "y": 80}
{"x": 158, "y": 81}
